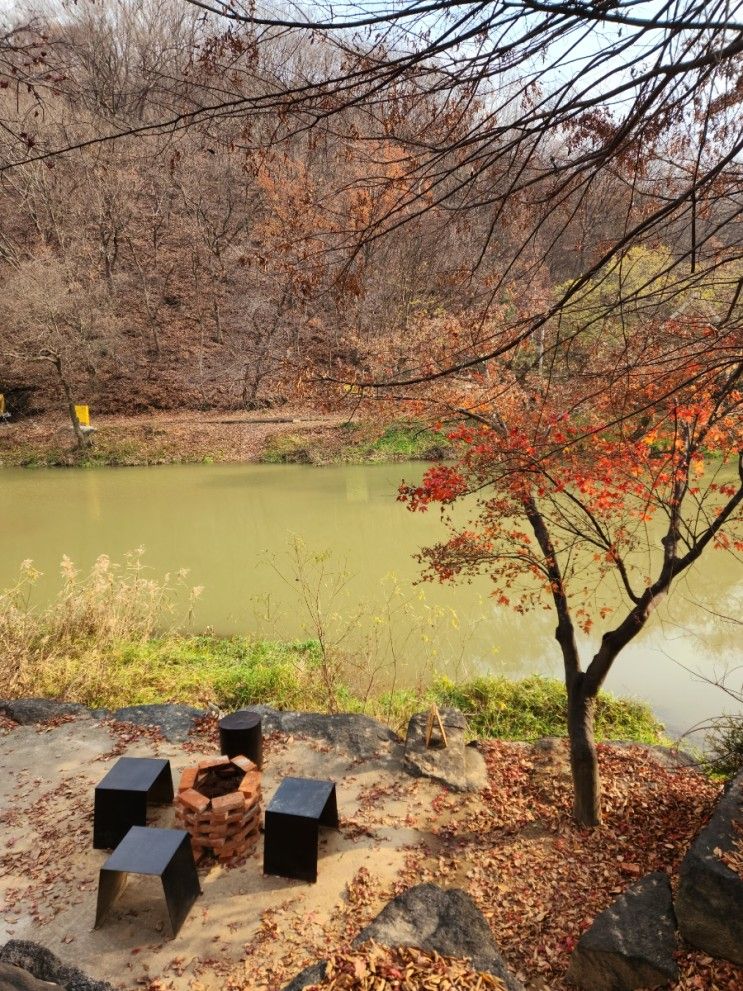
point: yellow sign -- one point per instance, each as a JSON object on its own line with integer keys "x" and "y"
{"x": 83, "y": 415}
{"x": 2, "y": 404}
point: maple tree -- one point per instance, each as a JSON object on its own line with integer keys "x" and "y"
{"x": 598, "y": 478}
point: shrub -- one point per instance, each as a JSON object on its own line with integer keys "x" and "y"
{"x": 725, "y": 746}
{"x": 287, "y": 449}
{"x": 70, "y": 642}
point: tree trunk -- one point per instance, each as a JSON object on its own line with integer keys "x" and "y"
{"x": 80, "y": 439}
{"x": 218, "y": 336}
{"x": 583, "y": 759}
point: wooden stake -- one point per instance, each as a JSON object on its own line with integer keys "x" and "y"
{"x": 434, "y": 717}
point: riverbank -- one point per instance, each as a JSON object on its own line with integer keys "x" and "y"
{"x": 234, "y": 672}
{"x": 287, "y": 435}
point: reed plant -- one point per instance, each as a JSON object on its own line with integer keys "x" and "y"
{"x": 64, "y": 647}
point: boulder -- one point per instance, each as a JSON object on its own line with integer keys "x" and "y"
{"x": 175, "y": 721}
{"x": 309, "y": 976}
{"x": 630, "y": 944}
{"x": 15, "y": 979}
{"x": 30, "y": 711}
{"x": 709, "y": 903}
{"x": 669, "y": 758}
{"x": 360, "y": 736}
{"x": 442, "y": 919}
{"x": 42, "y": 964}
{"x": 432, "y": 918}
{"x": 457, "y": 765}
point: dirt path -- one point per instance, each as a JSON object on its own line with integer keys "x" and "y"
{"x": 166, "y": 437}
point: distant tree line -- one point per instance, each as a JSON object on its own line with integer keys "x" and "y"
{"x": 290, "y": 204}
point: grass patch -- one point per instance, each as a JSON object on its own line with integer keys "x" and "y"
{"x": 107, "y": 449}
{"x": 230, "y": 672}
{"x": 534, "y": 707}
{"x": 288, "y": 449}
{"x": 348, "y": 443}
{"x": 408, "y": 442}
{"x": 358, "y": 443}
{"x": 239, "y": 671}
{"x": 102, "y": 453}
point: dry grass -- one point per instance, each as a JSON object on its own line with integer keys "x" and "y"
{"x": 61, "y": 648}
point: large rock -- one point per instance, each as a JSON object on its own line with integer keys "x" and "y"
{"x": 44, "y": 966}
{"x": 432, "y": 918}
{"x": 457, "y": 765}
{"x": 631, "y": 944}
{"x": 175, "y": 721}
{"x": 309, "y": 976}
{"x": 360, "y": 736}
{"x": 442, "y": 919}
{"x": 709, "y": 904}
{"x": 15, "y": 979}
{"x": 30, "y": 711}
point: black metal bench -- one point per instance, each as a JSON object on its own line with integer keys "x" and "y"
{"x": 293, "y": 819}
{"x": 165, "y": 853}
{"x": 121, "y": 798}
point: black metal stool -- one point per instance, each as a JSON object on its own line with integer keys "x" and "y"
{"x": 293, "y": 819}
{"x": 240, "y": 735}
{"x": 121, "y": 797}
{"x": 165, "y": 853}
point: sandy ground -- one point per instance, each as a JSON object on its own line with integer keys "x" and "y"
{"x": 537, "y": 878}
{"x": 246, "y": 930}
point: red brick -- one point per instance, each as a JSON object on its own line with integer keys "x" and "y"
{"x": 225, "y": 803}
{"x": 208, "y": 762}
{"x": 251, "y": 783}
{"x": 193, "y": 800}
{"x": 244, "y": 763}
{"x": 188, "y": 778}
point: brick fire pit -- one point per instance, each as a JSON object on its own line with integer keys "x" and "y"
{"x": 219, "y": 803}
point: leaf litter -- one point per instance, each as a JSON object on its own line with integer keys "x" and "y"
{"x": 377, "y": 968}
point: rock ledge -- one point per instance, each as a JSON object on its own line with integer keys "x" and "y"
{"x": 630, "y": 944}
{"x": 432, "y": 918}
{"x": 709, "y": 904}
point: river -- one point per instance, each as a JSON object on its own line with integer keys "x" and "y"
{"x": 233, "y": 528}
